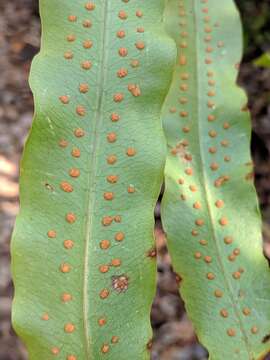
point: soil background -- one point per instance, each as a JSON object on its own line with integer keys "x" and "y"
{"x": 174, "y": 337}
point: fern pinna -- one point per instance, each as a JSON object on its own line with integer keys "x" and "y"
{"x": 90, "y": 177}
{"x": 209, "y": 209}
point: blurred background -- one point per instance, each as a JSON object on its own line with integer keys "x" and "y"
{"x": 174, "y": 338}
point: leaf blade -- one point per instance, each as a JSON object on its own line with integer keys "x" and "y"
{"x": 207, "y": 188}
{"x": 89, "y": 178}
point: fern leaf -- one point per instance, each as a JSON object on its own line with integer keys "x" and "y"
{"x": 90, "y": 176}
{"x": 210, "y": 211}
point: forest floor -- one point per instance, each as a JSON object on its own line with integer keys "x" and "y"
{"x": 174, "y": 337}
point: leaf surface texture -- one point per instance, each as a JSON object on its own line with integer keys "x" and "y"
{"x": 209, "y": 210}
{"x": 90, "y": 176}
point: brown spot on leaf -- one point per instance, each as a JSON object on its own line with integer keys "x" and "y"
{"x": 266, "y": 338}
{"x": 152, "y": 253}
{"x": 120, "y": 283}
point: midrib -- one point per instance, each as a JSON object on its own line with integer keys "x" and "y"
{"x": 91, "y": 193}
{"x": 205, "y": 182}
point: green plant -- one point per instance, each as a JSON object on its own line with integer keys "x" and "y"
{"x": 209, "y": 209}
{"x": 263, "y": 60}
{"x": 83, "y": 251}
{"x": 83, "y": 242}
